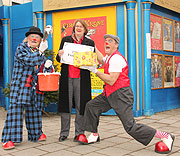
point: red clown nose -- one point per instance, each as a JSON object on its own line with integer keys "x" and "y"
{"x": 34, "y": 39}
{"x": 106, "y": 43}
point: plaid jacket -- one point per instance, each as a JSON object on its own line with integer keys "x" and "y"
{"x": 23, "y": 90}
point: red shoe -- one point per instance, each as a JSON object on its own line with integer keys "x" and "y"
{"x": 42, "y": 137}
{"x": 8, "y": 145}
{"x": 161, "y": 148}
{"x": 165, "y": 146}
{"x": 81, "y": 138}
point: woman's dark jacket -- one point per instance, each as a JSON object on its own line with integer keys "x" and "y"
{"x": 85, "y": 81}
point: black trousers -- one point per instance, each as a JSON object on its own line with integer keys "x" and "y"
{"x": 122, "y": 103}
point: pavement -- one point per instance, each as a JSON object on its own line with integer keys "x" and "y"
{"x": 114, "y": 140}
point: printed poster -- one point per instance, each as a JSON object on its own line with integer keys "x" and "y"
{"x": 96, "y": 84}
{"x": 167, "y": 34}
{"x": 168, "y": 71}
{"x": 97, "y": 29}
{"x": 177, "y": 36}
{"x": 177, "y": 71}
{"x": 156, "y": 71}
{"x": 156, "y": 32}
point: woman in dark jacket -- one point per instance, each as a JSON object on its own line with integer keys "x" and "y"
{"x": 75, "y": 83}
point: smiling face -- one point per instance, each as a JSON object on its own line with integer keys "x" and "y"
{"x": 34, "y": 40}
{"x": 110, "y": 46}
{"x": 79, "y": 29}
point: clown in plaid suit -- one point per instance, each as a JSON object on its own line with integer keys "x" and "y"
{"x": 24, "y": 94}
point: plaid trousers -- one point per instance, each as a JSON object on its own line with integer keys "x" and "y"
{"x": 13, "y": 128}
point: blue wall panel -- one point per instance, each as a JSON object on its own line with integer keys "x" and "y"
{"x": 21, "y": 16}
{"x": 22, "y": 20}
{"x": 164, "y": 12}
{"x": 4, "y": 12}
{"x": 1, "y": 65}
{"x": 37, "y": 5}
{"x": 18, "y": 36}
{"x": 49, "y": 22}
{"x": 120, "y": 27}
{"x": 167, "y": 98}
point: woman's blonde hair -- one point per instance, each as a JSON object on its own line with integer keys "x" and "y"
{"x": 83, "y": 23}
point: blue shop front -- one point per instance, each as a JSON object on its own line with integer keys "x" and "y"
{"x": 149, "y": 32}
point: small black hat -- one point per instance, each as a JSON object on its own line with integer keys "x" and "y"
{"x": 34, "y": 30}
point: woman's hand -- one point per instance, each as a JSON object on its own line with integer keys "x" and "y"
{"x": 60, "y": 52}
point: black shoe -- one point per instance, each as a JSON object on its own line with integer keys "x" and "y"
{"x": 62, "y": 138}
{"x": 75, "y": 139}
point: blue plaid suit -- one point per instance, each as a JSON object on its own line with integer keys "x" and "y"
{"x": 24, "y": 96}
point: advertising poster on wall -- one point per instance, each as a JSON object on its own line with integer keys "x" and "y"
{"x": 167, "y": 34}
{"x": 156, "y": 71}
{"x": 96, "y": 84}
{"x": 100, "y": 21}
{"x": 177, "y": 71}
{"x": 168, "y": 71}
{"x": 97, "y": 27}
{"x": 156, "y": 32}
{"x": 177, "y": 36}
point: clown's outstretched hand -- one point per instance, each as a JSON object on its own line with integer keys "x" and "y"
{"x": 43, "y": 46}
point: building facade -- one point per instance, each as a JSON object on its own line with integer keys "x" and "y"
{"x": 149, "y": 39}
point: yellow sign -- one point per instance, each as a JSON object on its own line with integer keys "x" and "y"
{"x": 169, "y": 4}
{"x": 58, "y": 17}
{"x": 96, "y": 82}
{"x": 67, "y": 4}
{"x": 108, "y": 12}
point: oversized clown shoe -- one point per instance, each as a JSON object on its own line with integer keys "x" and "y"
{"x": 165, "y": 146}
{"x": 82, "y": 139}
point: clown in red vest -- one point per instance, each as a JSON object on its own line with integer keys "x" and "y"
{"x": 117, "y": 94}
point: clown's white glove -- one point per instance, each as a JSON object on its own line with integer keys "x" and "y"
{"x": 43, "y": 46}
{"x": 49, "y": 29}
{"x": 90, "y": 68}
{"x": 48, "y": 63}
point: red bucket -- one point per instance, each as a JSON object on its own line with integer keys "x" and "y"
{"x": 48, "y": 81}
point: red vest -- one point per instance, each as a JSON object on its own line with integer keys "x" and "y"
{"x": 122, "y": 81}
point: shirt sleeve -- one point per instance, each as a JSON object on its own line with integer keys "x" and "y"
{"x": 116, "y": 63}
{"x": 104, "y": 58}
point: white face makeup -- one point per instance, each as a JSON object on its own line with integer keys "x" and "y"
{"x": 34, "y": 40}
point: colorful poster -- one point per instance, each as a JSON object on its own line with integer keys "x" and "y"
{"x": 167, "y": 34}
{"x": 96, "y": 84}
{"x": 156, "y": 71}
{"x": 177, "y": 36}
{"x": 177, "y": 71}
{"x": 97, "y": 29}
{"x": 102, "y": 19}
{"x": 168, "y": 71}
{"x": 156, "y": 33}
